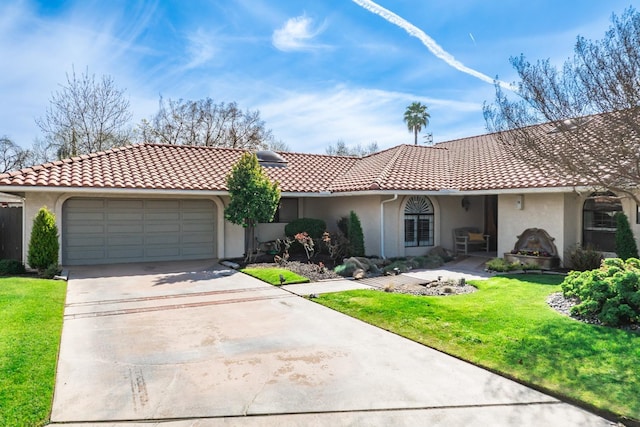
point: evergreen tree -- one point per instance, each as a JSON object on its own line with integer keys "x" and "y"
{"x": 43, "y": 245}
{"x": 355, "y": 235}
{"x": 625, "y": 242}
{"x": 254, "y": 198}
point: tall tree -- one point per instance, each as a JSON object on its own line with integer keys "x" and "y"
{"x": 416, "y": 117}
{"x": 12, "y": 156}
{"x": 203, "y": 122}
{"x": 342, "y": 149}
{"x": 86, "y": 115}
{"x": 254, "y": 198}
{"x": 582, "y": 120}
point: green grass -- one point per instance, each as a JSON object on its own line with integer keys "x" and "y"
{"x": 507, "y": 326}
{"x": 272, "y": 275}
{"x": 30, "y": 326}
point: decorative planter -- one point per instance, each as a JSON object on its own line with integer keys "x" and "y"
{"x": 544, "y": 262}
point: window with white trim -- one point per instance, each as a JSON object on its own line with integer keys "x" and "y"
{"x": 418, "y": 222}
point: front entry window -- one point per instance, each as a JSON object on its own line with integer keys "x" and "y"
{"x": 418, "y": 222}
{"x": 599, "y": 221}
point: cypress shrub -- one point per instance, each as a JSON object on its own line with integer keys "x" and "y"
{"x": 355, "y": 235}
{"x": 625, "y": 242}
{"x": 43, "y": 245}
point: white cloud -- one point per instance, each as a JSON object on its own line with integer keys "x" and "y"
{"x": 296, "y": 34}
{"x": 310, "y": 121}
{"x": 430, "y": 43}
{"x": 200, "y": 48}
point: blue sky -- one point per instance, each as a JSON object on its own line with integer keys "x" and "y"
{"x": 318, "y": 71}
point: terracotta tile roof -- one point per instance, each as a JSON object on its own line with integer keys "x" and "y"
{"x": 481, "y": 163}
{"x": 476, "y": 163}
{"x": 156, "y": 166}
{"x": 405, "y": 167}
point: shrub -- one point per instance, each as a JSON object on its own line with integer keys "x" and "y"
{"x": 501, "y": 265}
{"x": 583, "y": 259}
{"x": 611, "y": 293}
{"x": 336, "y": 245}
{"x": 43, "y": 245}
{"x": 355, "y": 235}
{"x": 625, "y": 242}
{"x": 9, "y": 267}
{"x": 402, "y": 266}
{"x": 51, "y": 271}
{"x": 314, "y": 227}
{"x": 346, "y": 269}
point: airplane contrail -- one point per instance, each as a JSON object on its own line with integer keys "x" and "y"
{"x": 430, "y": 43}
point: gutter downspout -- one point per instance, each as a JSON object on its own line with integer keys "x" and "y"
{"x": 395, "y": 197}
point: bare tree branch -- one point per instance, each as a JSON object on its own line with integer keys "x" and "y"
{"x": 205, "y": 123}
{"x": 581, "y": 121}
{"x": 86, "y": 116}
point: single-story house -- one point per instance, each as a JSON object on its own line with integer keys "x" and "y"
{"x": 153, "y": 202}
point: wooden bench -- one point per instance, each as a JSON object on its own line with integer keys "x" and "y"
{"x": 469, "y": 238}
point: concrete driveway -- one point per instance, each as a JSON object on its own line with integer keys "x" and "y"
{"x": 194, "y": 344}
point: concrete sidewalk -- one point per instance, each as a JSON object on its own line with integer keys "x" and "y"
{"x": 212, "y": 347}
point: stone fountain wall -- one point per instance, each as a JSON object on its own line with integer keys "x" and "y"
{"x": 535, "y": 247}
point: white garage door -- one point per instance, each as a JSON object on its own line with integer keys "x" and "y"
{"x": 109, "y": 231}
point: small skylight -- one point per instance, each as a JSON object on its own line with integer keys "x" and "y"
{"x": 271, "y": 159}
{"x": 569, "y": 124}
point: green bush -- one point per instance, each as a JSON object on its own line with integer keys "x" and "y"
{"x": 355, "y": 235}
{"x": 9, "y": 267}
{"x": 402, "y": 265}
{"x": 501, "y": 265}
{"x": 51, "y": 271}
{"x": 313, "y": 227}
{"x": 43, "y": 245}
{"x": 611, "y": 293}
{"x": 584, "y": 258}
{"x": 346, "y": 269}
{"x": 625, "y": 242}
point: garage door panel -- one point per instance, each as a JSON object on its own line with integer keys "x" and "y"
{"x": 125, "y": 216}
{"x": 163, "y": 204}
{"x": 162, "y": 239}
{"x": 196, "y": 227}
{"x": 124, "y": 253}
{"x": 86, "y": 216}
{"x": 128, "y": 239}
{"x": 124, "y": 204}
{"x": 161, "y": 227}
{"x": 102, "y": 231}
{"x": 125, "y": 228}
{"x": 197, "y": 204}
{"x": 197, "y": 216}
{"x": 98, "y": 204}
{"x": 87, "y": 241}
{"x": 86, "y": 255}
{"x": 162, "y": 216}
{"x": 196, "y": 238}
{"x": 84, "y": 229}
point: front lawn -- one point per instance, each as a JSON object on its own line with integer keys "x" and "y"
{"x": 30, "y": 326}
{"x": 272, "y": 275}
{"x": 508, "y": 327}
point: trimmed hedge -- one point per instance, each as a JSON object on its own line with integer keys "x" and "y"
{"x": 9, "y": 267}
{"x": 314, "y": 227}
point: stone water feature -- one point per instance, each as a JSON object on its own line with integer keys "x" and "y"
{"x": 534, "y": 247}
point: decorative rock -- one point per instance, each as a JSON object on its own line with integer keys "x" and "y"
{"x": 359, "y": 274}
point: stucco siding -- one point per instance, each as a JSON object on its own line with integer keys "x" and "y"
{"x": 545, "y": 211}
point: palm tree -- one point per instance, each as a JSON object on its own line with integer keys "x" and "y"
{"x": 416, "y": 117}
